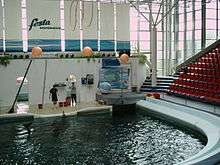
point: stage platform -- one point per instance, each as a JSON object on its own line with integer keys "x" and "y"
{"x": 120, "y": 98}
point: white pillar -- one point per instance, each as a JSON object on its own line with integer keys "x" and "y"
{"x": 154, "y": 56}
{"x": 81, "y": 12}
{"x": 115, "y": 27}
{"x": 99, "y": 25}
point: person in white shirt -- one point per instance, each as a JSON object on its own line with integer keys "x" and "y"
{"x": 73, "y": 92}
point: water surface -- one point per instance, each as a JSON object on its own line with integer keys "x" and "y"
{"x": 103, "y": 139}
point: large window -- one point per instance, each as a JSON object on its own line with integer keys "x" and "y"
{"x": 180, "y": 35}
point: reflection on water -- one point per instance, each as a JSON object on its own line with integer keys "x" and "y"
{"x": 102, "y": 139}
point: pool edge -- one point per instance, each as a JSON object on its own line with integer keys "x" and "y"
{"x": 203, "y": 122}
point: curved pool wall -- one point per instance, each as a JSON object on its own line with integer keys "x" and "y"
{"x": 10, "y": 118}
{"x": 205, "y": 123}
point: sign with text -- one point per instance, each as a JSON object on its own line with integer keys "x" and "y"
{"x": 41, "y": 24}
{"x": 44, "y": 24}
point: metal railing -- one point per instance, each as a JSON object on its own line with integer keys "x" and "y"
{"x": 198, "y": 55}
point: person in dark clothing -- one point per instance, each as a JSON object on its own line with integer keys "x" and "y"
{"x": 53, "y": 93}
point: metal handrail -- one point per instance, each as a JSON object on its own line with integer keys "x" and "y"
{"x": 198, "y": 55}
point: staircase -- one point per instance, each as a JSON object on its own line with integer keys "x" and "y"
{"x": 163, "y": 84}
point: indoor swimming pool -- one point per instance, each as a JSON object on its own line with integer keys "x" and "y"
{"x": 98, "y": 139}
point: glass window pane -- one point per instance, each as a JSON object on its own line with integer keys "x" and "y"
{"x": 211, "y": 13}
{"x": 159, "y": 17}
{"x": 159, "y": 27}
{"x": 181, "y": 9}
{"x": 189, "y": 16}
{"x": 197, "y": 45}
{"x": 209, "y": 42}
{"x": 210, "y": 24}
{"x": 159, "y": 36}
{"x": 219, "y": 24}
{"x": 189, "y": 25}
{"x": 198, "y": 5}
{"x": 210, "y": 34}
{"x": 144, "y": 46}
{"x": 189, "y": 35}
{"x": 189, "y": 6}
{"x": 211, "y": 4}
{"x": 159, "y": 45}
{"x": 133, "y": 12}
{"x": 133, "y": 45}
{"x": 198, "y": 15}
{"x": 159, "y": 54}
{"x": 181, "y": 36}
{"x": 198, "y": 34}
{"x": 181, "y": 18}
{"x": 198, "y": 24}
{"x": 181, "y": 45}
{"x": 144, "y": 25}
{"x": 133, "y": 35}
{"x": 142, "y": 18}
{"x": 181, "y": 27}
{"x": 144, "y": 36}
{"x": 133, "y": 24}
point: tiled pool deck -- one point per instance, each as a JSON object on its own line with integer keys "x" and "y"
{"x": 49, "y": 109}
{"x": 193, "y": 104}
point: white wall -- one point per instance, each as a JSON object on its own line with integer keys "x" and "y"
{"x": 57, "y": 71}
{"x": 90, "y": 32}
{"x": 139, "y": 72}
{"x": 107, "y": 21}
{"x": 71, "y": 19}
{"x": 123, "y": 22}
{"x": 13, "y": 19}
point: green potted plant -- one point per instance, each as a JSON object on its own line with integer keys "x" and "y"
{"x": 97, "y": 55}
{"x": 88, "y": 59}
{"x": 5, "y": 60}
{"x": 142, "y": 58}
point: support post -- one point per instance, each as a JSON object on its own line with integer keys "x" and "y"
{"x": 44, "y": 82}
{"x": 203, "y": 42}
{"x": 154, "y": 56}
{"x": 12, "y": 107}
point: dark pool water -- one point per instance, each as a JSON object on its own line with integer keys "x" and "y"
{"x": 102, "y": 139}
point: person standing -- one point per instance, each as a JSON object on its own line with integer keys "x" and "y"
{"x": 53, "y": 93}
{"x": 73, "y": 92}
